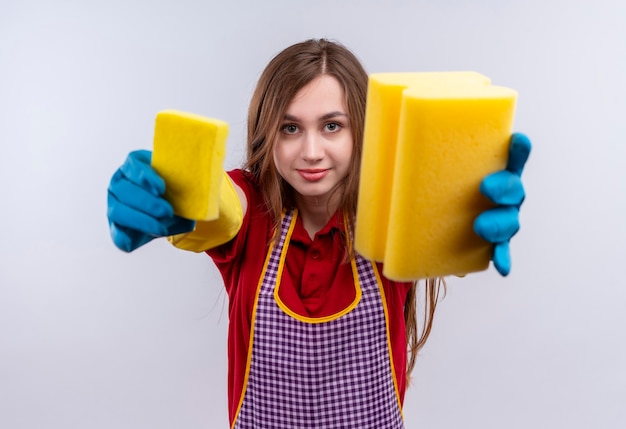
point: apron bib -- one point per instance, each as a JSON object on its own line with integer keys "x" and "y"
{"x": 330, "y": 372}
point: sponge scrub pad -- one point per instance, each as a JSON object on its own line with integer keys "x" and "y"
{"x": 189, "y": 152}
{"x": 430, "y": 138}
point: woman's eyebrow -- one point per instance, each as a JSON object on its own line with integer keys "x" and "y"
{"x": 326, "y": 116}
{"x": 332, "y": 115}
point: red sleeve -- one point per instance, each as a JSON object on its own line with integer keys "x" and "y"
{"x": 240, "y": 260}
{"x": 229, "y": 251}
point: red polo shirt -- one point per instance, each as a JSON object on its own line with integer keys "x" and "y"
{"x": 316, "y": 282}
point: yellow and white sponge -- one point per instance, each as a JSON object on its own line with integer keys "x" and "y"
{"x": 430, "y": 138}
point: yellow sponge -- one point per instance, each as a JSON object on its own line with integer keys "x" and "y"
{"x": 189, "y": 152}
{"x": 429, "y": 140}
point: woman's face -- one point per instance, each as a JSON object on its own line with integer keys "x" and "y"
{"x": 314, "y": 144}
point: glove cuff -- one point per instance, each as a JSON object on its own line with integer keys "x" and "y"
{"x": 210, "y": 234}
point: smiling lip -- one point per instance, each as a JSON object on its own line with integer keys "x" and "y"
{"x": 313, "y": 175}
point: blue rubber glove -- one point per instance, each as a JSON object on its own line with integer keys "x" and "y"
{"x": 504, "y": 188}
{"x": 137, "y": 211}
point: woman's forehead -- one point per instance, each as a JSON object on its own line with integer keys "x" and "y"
{"x": 323, "y": 96}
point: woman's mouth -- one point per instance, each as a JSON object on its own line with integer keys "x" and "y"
{"x": 313, "y": 174}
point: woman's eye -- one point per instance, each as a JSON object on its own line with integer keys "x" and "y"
{"x": 290, "y": 129}
{"x": 333, "y": 127}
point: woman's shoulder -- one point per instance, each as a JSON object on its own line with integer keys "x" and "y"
{"x": 248, "y": 183}
{"x": 243, "y": 177}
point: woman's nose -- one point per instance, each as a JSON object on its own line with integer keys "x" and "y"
{"x": 312, "y": 147}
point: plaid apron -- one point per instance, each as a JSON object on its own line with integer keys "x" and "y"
{"x": 333, "y": 372}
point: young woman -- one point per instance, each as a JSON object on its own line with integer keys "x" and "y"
{"x": 318, "y": 337}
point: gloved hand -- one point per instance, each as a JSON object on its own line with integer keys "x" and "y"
{"x": 137, "y": 211}
{"x": 504, "y": 188}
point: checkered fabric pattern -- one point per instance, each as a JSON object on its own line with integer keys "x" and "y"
{"x": 334, "y": 374}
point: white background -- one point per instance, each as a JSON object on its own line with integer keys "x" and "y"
{"x": 94, "y": 338}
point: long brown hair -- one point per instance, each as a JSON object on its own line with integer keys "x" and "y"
{"x": 287, "y": 73}
{"x": 415, "y": 336}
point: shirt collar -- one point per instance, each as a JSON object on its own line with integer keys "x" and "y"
{"x": 335, "y": 224}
